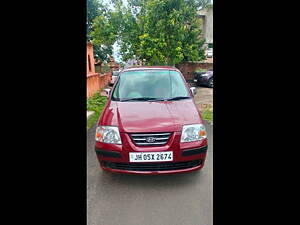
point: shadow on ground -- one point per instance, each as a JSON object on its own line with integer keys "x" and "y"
{"x": 149, "y": 181}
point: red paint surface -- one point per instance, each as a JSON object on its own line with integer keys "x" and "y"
{"x": 144, "y": 117}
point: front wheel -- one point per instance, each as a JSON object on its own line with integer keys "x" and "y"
{"x": 211, "y": 83}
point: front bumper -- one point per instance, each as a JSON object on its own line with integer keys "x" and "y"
{"x": 152, "y": 172}
{"x": 115, "y": 158}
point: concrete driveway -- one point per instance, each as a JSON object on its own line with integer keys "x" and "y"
{"x": 204, "y": 96}
{"x": 149, "y": 200}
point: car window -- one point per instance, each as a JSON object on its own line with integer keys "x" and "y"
{"x": 157, "y": 84}
{"x": 176, "y": 83}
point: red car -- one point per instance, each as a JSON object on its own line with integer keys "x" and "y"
{"x": 150, "y": 124}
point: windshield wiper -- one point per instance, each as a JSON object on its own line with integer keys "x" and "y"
{"x": 178, "y": 98}
{"x": 150, "y": 99}
{"x": 141, "y": 99}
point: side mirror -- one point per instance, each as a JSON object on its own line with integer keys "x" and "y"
{"x": 105, "y": 92}
{"x": 193, "y": 90}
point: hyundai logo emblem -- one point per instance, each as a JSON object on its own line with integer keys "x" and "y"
{"x": 150, "y": 139}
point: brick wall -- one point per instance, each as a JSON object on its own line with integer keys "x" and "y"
{"x": 95, "y": 82}
{"x": 188, "y": 68}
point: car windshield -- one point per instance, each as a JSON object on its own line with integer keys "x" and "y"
{"x": 150, "y": 85}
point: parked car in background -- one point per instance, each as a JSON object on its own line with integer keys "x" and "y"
{"x": 114, "y": 76}
{"x": 204, "y": 78}
{"x": 209, "y": 53}
{"x": 150, "y": 124}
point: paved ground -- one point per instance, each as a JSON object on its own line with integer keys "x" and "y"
{"x": 204, "y": 96}
{"x": 149, "y": 200}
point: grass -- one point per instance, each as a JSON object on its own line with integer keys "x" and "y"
{"x": 95, "y": 103}
{"x": 207, "y": 114}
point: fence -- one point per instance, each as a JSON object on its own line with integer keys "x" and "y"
{"x": 96, "y": 82}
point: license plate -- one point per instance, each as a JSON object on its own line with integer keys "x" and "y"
{"x": 150, "y": 156}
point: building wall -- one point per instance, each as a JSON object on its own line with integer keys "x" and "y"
{"x": 90, "y": 61}
{"x": 209, "y": 26}
{"x": 95, "y": 81}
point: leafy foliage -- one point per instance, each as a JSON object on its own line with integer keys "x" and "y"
{"x": 96, "y": 12}
{"x": 161, "y": 32}
{"x": 200, "y": 70}
{"x": 95, "y": 103}
{"x": 205, "y": 4}
{"x": 102, "y": 51}
{"x": 105, "y": 68}
{"x": 92, "y": 12}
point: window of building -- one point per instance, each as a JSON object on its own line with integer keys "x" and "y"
{"x": 89, "y": 62}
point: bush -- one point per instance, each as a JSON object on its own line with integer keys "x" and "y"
{"x": 105, "y": 68}
{"x": 97, "y": 68}
{"x": 96, "y": 102}
{"x": 200, "y": 70}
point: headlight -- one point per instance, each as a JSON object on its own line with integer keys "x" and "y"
{"x": 108, "y": 134}
{"x": 204, "y": 74}
{"x": 193, "y": 132}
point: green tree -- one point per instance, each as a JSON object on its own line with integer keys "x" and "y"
{"x": 205, "y": 3}
{"x": 102, "y": 52}
{"x": 161, "y": 32}
{"x": 96, "y": 12}
{"x": 92, "y": 12}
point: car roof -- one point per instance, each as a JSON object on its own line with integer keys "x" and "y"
{"x": 136, "y": 68}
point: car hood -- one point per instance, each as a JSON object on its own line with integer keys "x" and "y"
{"x": 150, "y": 116}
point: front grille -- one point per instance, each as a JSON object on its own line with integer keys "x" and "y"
{"x": 152, "y": 166}
{"x": 150, "y": 139}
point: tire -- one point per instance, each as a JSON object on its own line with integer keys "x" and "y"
{"x": 211, "y": 83}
